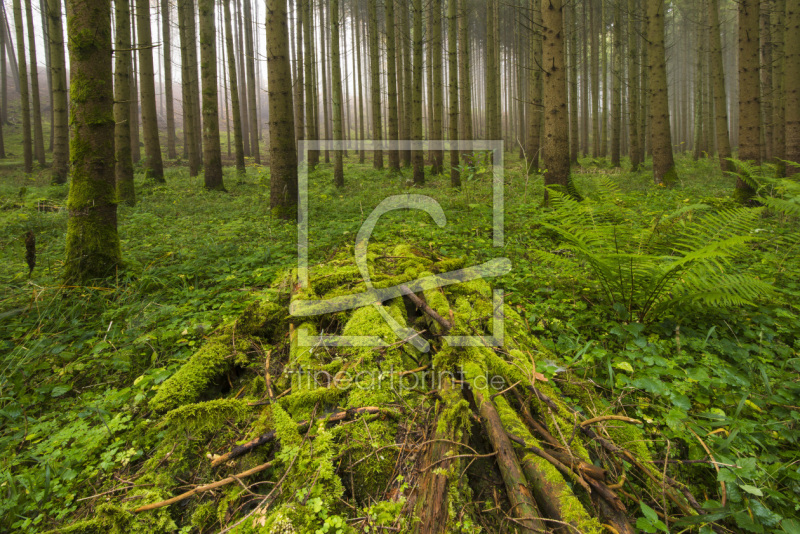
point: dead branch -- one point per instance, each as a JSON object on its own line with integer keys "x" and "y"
{"x": 205, "y": 488}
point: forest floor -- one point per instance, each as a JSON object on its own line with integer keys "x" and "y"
{"x": 79, "y": 365}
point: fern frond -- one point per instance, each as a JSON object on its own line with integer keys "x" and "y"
{"x": 787, "y": 207}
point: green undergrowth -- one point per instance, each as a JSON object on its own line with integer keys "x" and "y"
{"x": 140, "y": 378}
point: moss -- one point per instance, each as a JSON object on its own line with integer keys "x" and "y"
{"x": 670, "y": 177}
{"x": 571, "y": 508}
{"x": 264, "y": 318}
{"x": 204, "y": 417}
{"x": 195, "y": 377}
{"x": 88, "y": 526}
{"x": 121, "y": 521}
{"x": 203, "y": 516}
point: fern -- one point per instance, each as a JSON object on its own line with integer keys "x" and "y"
{"x": 684, "y": 258}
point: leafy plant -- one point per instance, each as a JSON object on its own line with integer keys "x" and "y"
{"x": 682, "y": 258}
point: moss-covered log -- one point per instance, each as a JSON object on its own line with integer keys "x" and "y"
{"x": 364, "y": 439}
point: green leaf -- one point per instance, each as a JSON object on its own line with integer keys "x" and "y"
{"x": 752, "y": 490}
{"x": 60, "y": 390}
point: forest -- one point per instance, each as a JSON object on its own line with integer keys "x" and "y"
{"x": 411, "y": 266}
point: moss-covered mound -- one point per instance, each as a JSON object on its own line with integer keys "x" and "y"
{"x": 260, "y": 433}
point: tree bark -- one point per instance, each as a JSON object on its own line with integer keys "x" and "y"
{"x": 191, "y": 120}
{"x": 24, "y": 98}
{"x": 391, "y": 78}
{"x": 555, "y": 149}
{"x": 490, "y": 85}
{"x": 616, "y": 90}
{"x": 152, "y": 147}
{"x": 792, "y": 86}
{"x": 765, "y": 35}
{"x": 250, "y": 65}
{"x": 234, "y": 92}
{"x": 282, "y": 150}
{"x": 375, "y": 96}
{"x": 311, "y": 88}
{"x": 326, "y": 124}
{"x": 416, "y": 130}
{"x": 123, "y": 169}
{"x": 336, "y": 90}
{"x": 595, "y": 81}
{"x": 533, "y": 141}
{"x": 633, "y": 87}
{"x": 464, "y": 72}
{"x": 38, "y": 134}
{"x": 299, "y": 102}
{"x": 452, "y": 70}
{"x": 136, "y": 153}
{"x": 60, "y": 167}
{"x": 166, "y": 32}
{"x": 212, "y": 154}
{"x": 778, "y": 104}
{"x": 660, "y": 136}
{"x": 749, "y": 101}
{"x": 573, "y": 83}
{"x": 718, "y": 82}
{"x": 92, "y": 243}
{"x": 437, "y": 159}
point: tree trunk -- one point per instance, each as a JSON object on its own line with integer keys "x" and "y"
{"x": 191, "y": 120}
{"x": 437, "y": 160}
{"x": 699, "y": 81}
{"x": 633, "y": 87}
{"x": 123, "y": 168}
{"x": 749, "y": 108}
{"x": 242, "y": 77}
{"x": 92, "y": 244}
{"x": 152, "y": 147}
{"x": 336, "y": 86}
{"x": 452, "y": 70}
{"x": 416, "y": 130}
{"x": 250, "y": 65}
{"x": 391, "y": 78}
{"x": 38, "y": 134}
{"x": 282, "y": 150}
{"x": 555, "y": 149}
{"x": 234, "y": 92}
{"x": 25, "y": 107}
{"x": 778, "y": 109}
{"x": 212, "y": 154}
{"x": 660, "y": 136}
{"x": 3, "y": 71}
{"x": 136, "y": 153}
{"x": 573, "y": 83}
{"x": 766, "y": 80}
{"x": 533, "y": 142}
{"x": 405, "y": 102}
{"x": 299, "y": 102}
{"x": 166, "y": 32}
{"x": 59, "y": 75}
{"x": 718, "y": 82}
{"x": 48, "y": 70}
{"x": 603, "y": 82}
{"x": 375, "y": 96}
{"x": 792, "y": 86}
{"x": 595, "y": 81}
{"x": 464, "y": 72}
{"x": 326, "y": 125}
{"x": 490, "y": 85}
{"x": 616, "y": 79}
{"x": 311, "y": 88}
